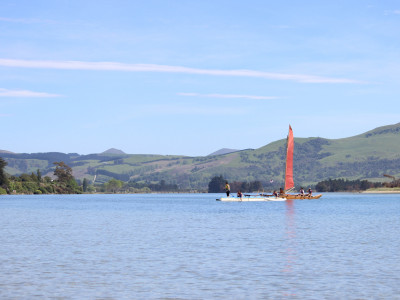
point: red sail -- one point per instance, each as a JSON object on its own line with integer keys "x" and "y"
{"x": 289, "y": 161}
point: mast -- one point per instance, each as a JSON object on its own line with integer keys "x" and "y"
{"x": 289, "y": 183}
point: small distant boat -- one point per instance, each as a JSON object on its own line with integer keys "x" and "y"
{"x": 289, "y": 183}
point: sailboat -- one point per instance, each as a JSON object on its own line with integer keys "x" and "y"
{"x": 289, "y": 182}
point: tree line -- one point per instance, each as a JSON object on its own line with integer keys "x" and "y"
{"x": 65, "y": 183}
{"x": 217, "y": 185}
{"x": 344, "y": 185}
{"x": 118, "y": 186}
{"x": 34, "y": 183}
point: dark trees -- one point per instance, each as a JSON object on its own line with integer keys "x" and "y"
{"x": 63, "y": 172}
{"x": 85, "y": 184}
{"x": 216, "y": 185}
{"x": 342, "y": 185}
{"x": 3, "y": 177}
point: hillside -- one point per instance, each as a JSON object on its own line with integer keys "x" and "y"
{"x": 365, "y": 156}
{"x": 113, "y": 151}
{"x": 223, "y": 151}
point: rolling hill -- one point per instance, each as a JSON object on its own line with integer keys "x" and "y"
{"x": 365, "y": 156}
{"x": 223, "y": 151}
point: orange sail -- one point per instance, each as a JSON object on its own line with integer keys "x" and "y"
{"x": 289, "y": 183}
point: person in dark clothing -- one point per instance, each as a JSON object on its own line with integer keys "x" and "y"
{"x": 227, "y": 189}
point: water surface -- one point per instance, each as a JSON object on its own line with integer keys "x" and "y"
{"x": 174, "y": 246}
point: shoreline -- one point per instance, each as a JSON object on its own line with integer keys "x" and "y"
{"x": 381, "y": 192}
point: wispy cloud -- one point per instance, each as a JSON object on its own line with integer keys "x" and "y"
{"x": 26, "y": 21}
{"x": 227, "y": 96}
{"x": 392, "y": 12}
{"x": 115, "y": 66}
{"x": 25, "y": 94}
{"x": 281, "y": 26}
{"x": 170, "y": 110}
{"x": 166, "y": 111}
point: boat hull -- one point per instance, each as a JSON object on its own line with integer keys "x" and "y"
{"x": 302, "y": 197}
{"x": 250, "y": 199}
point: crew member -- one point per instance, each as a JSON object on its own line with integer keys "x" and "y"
{"x": 227, "y": 189}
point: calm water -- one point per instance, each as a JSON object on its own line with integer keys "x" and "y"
{"x": 343, "y": 246}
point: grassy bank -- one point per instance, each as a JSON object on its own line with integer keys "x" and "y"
{"x": 383, "y": 190}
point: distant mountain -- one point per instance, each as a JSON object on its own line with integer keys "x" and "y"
{"x": 113, "y": 151}
{"x": 365, "y": 156}
{"x": 5, "y": 151}
{"x": 223, "y": 151}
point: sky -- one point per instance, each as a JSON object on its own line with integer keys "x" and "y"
{"x": 192, "y": 77}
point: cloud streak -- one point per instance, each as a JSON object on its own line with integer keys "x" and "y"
{"x": 26, "y": 21}
{"x": 25, "y": 94}
{"x": 228, "y": 96}
{"x": 168, "y": 110}
{"x": 115, "y": 66}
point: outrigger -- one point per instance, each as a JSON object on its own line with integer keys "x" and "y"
{"x": 252, "y": 198}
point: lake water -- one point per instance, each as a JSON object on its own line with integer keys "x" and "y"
{"x": 189, "y": 246}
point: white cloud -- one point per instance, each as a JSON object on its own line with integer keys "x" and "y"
{"x": 164, "y": 109}
{"x": 25, "y": 94}
{"x": 392, "y": 12}
{"x": 115, "y": 66}
{"x": 26, "y": 21}
{"x": 228, "y": 96}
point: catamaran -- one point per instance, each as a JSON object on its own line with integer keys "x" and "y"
{"x": 252, "y": 198}
{"x": 289, "y": 182}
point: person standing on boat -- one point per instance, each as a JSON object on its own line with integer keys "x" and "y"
{"x": 309, "y": 192}
{"x": 239, "y": 194}
{"x": 227, "y": 189}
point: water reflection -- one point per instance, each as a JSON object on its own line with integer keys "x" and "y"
{"x": 290, "y": 249}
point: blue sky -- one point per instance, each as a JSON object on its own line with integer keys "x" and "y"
{"x": 191, "y": 77}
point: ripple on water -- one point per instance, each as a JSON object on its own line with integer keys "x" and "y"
{"x": 192, "y": 247}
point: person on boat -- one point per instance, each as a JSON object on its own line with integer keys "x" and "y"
{"x": 301, "y": 192}
{"x": 281, "y": 192}
{"x": 227, "y": 189}
{"x": 275, "y": 194}
{"x": 239, "y": 194}
{"x": 309, "y": 192}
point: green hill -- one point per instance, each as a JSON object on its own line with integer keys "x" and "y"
{"x": 365, "y": 156}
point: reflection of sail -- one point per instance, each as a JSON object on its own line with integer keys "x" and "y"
{"x": 291, "y": 246}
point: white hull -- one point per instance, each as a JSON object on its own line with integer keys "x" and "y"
{"x": 251, "y": 199}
